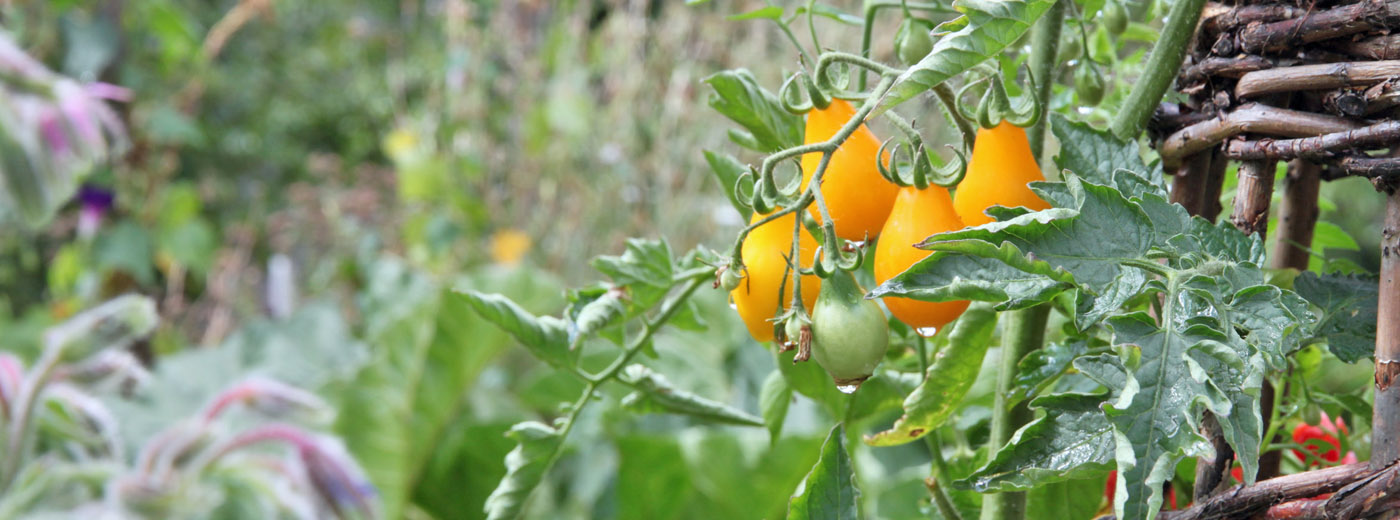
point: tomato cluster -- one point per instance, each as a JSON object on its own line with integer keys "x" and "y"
{"x": 849, "y": 333}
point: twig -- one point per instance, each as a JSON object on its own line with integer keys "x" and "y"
{"x": 1227, "y": 67}
{"x": 1219, "y": 18}
{"x": 1315, "y": 77}
{"x": 1318, "y": 147}
{"x": 1372, "y": 167}
{"x": 1319, "y": 26}
{"x": 1242, "y": 502}
{"x": 1253, "y": 118}
{"x": 1215, "y": 181}
{"x": 1383, "y": 47}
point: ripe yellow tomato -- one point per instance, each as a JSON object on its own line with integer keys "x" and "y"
{"x": 998, "y": 174}
{"x": 764, "y": 253}
{"x": 856, "y": 195}
{"x": 917, "y": 214}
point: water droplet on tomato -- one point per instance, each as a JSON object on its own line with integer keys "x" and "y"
{"x": 848, "y": 389}
{"x": 926, "y": 332}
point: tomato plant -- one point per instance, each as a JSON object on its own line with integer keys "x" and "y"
{"x": 1142, "y": 341}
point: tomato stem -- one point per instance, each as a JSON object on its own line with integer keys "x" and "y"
{"x": 1045, "y": 47}
{"x": 1163, "y": 64}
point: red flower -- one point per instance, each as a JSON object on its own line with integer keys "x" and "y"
{"x": 1327, "y": 434}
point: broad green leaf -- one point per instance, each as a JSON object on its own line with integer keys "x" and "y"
{"x": 1153, "y": 411}
{"x": 832, "y": 13}
{"x": 1348, "y": 309}
{"x": 126, "y": 247}
{"x": 773, "y": 401}
{"x": 950, "y": 276}
{"x": 986, "y": 28}
{"x": 771, "y": 12}
{"x": 829, "y": 491}
{"x": 810, "y": 380}
{"x": 645, "y": 262}
{"x": 1072, "y": 440}
{"x": 1067, "y": 499}
{"x": 727, "y": 172}
{"x": 739, "y": 97}
{"x": 525, "y": 468}
{"x": 947, "y": 380}
{"x": 546, "y": 337}
{"x": 1043, "y": 365}
{"x": 1095, "y": 155}
{"x": 655, "y": 393}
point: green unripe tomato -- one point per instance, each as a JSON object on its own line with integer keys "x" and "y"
{"x": 1089, "y": 84}
{"x": 849, "y": 333}
{"x": 1115, "y": 18}
{"x": 1071, "y": 46}
{"x": 729, "y": 279}
{"x": 912, "y": 42}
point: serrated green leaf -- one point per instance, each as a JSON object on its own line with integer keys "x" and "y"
{"x": 645, "y": 262}
{"x": 1095, "y": 155}
{"x": 546, "y": 337}
{"x": 526, "y": 465}
{"x": 1043, "y": 365}
{"x": 1072, "y": 440}
{"x": 1153, "y": 412}
{"x": 986, "y": 28}
{"x": 655, "y": 393}
{"x": 951, "y": 276}
{"x": 740, "y": 98}
{"x": 773, "y": 401}
{"x": 829, "y": 492}
{"x": 947, "y": 380}
{"x": 727, "y": 172}
{"x": 1348, "y": 310}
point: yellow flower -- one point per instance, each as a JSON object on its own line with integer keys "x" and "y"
{"x": 508, "y": 246}
{"x": 400, "y": 144}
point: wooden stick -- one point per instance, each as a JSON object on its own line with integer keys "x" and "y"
{"x": 1318, "y": 147}
{"x": 1385, "y": 435}
{"x": 1215, "y": 181}
{"x": 1242, "y": 502}
{"x": 1253, "y": 118}
{"x": 1319, "y": 26}
{"x": 1297, "y": 216}
{"x": 1188, "y": 188}
{"x": 1315, "y": 77}
{"x": 1256, "y": 188}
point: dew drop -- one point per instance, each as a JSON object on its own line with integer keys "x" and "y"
{"x": 926, "y": 332}
{"x": 733, "y": 305}
{"x": 848, "y": 389}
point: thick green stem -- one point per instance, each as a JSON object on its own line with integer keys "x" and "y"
{"x": 1162, "y": 67}
{"x": 1024, "y": 332}
{"x": 937, "y": 483}
{"x": 1045, "y": 46}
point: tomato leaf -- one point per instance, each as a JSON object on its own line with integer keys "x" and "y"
{"x": 526, "y": 465}
{"x": 739, "y": 97}
{"x": 947, "y": 380}
{"x": 656, "y": 394}
{"x": 986, "y": 28}
{"x": 1095, "y": 155}
{"x": 1043, "y": 365}
{"x": 1348, "y": 306}
{"x": 1072, "y": 440}
{"x": 771, "y": 12}
{"x": 546, "y": 337}
{"x": 773, "y": 401}
{"x": 829, "y": 491}
{"x": 832, "y": 13}
{"x": 728, "y": 171}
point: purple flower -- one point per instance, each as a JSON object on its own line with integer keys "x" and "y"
{"x": 96, "y": 202}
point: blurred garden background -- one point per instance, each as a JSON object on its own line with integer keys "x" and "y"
{"x": 299, "y": 185}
